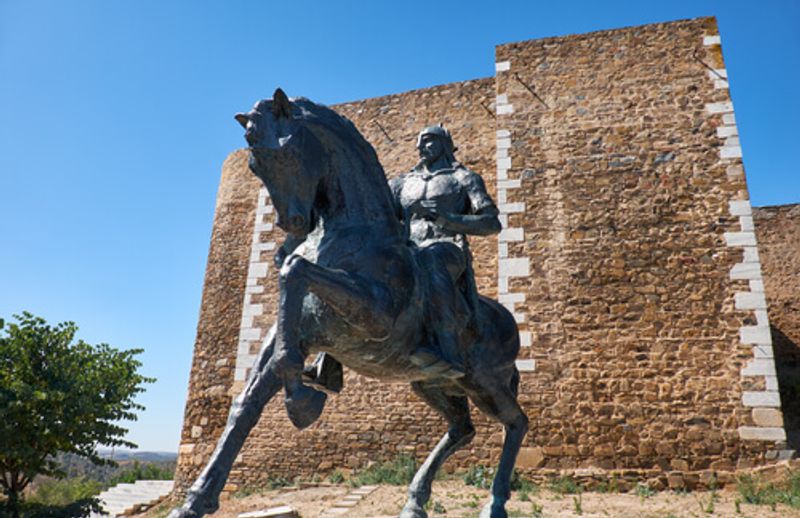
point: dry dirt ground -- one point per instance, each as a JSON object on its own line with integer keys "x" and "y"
{"x": 452, "y": 498}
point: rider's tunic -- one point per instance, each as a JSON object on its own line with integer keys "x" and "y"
{"x": 456, "y": 190}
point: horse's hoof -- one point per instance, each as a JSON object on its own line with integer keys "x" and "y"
{"x": 491, "y": 510}
{"x": 412, "y": 510}
{"x": 304, "y": 406}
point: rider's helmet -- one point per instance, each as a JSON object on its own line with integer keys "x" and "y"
{"x": 441, "y": 132}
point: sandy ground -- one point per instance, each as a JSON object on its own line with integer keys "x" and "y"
{"x": 459, "y": 500}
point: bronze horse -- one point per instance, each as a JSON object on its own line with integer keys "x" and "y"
{"x": 354, "y": 287}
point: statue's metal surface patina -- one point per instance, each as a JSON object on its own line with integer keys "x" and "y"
{"x": 380, "y": 279}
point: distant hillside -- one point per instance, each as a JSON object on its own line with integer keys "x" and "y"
{"x": 141, "y": 456}
{"x": 160, "y": 462}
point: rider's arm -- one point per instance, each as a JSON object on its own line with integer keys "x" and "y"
{"x": 484, "y": 224}
{"x": 481, "y": 220}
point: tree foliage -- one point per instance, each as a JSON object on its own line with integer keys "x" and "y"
{"x": 59, "y": 395}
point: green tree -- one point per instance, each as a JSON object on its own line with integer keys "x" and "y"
{"x": 59, "y": 395}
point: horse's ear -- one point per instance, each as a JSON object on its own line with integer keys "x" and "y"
{"x": 242, "y": 119}
{"x": 281, "y": 107}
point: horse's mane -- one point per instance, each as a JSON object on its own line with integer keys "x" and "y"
{"x": 327, "y": 119}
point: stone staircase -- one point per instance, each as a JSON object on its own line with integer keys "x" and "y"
{"x": 123, "y": 498}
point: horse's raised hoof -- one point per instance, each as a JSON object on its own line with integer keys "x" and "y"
{"x": 492, "y": 510}
{"x": 412, "y": 510}
{"x": 304, "y": 406}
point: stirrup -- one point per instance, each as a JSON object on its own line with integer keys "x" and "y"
{"x": 325, "y": 374}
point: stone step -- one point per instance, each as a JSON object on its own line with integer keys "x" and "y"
{"x": 124, "y": 497}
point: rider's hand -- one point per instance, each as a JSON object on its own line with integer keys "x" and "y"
{"x": 427, "y": 209}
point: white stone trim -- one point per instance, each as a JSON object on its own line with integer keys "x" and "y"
{"x": 510, "y": 267}
{"x": 758, "y": 337}
{"x": 258, "y": 269}
{"x": 526, "y": 365}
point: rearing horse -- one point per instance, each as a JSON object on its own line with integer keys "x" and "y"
{"x": 354, "y": 288}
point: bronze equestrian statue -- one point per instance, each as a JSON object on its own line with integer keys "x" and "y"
{"x": 366, "y": 277}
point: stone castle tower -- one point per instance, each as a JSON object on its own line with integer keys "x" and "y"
{"x": 628, "y": 256}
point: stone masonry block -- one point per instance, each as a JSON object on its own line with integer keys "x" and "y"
{"x": 510, "y": 208}
{"x": 258, "y": 270}
{"x": 505, "y": 109}
{"x": 253, "y": 309}
{"x": 750, "y": 255}
{"x": 727, "y": 131}
{"x": 526, "y": 365}
{"x": 750, "y": 300}
{"x": 730, "y": 152}
{"x": 729, "y": 119}
{"x": 769, "y": 398}
{"x": 755, "y": 433}
{"x": 503, "y": 133}
{"x": 746, "y": 223}
{"x": 711, "y": 40}
{"x": 740, "y": 208}
{"x": 720, "y": 107}
{"x": 509, "y": 184}
{"x": 250, "y": 333}
{"x": 740, "y": 239}
{"x": 511, "y": 235}
{"x": 513, "y": 298}
{"x": 715, "y": 75}
{"x": 755, "y": 335}
{"x": 514, "y": 267}
{"x": 760, "y": 367}
{"x": 504, "y": 163}
{"x": 525, "y": 339}
{"x": 502, "y": 66}
{"x": 762, "y": 351}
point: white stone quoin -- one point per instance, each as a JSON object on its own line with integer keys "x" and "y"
{"x": 756, "y": 337}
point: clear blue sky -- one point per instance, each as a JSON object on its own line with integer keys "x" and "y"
{"x": 115, "y": 118}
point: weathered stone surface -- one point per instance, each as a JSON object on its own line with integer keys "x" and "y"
{"x": 621, "y": 204}
{"x": 778, "y": 233}
{"x": 530, "y": 458}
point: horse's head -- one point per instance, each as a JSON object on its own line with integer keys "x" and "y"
{"x": 287, "y": 157}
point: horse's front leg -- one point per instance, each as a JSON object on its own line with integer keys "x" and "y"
{"x": 348, "y": 296}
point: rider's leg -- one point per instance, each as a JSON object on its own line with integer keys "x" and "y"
{"x": 445, "y": 262}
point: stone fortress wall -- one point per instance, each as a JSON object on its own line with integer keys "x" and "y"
{"x": 628, "y": 257}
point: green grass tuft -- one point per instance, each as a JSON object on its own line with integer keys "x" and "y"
{"x": 397, "y": 472}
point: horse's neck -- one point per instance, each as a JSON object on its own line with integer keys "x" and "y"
{"x": 359, "y": 200}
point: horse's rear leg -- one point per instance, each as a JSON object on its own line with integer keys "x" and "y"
{"x": 496, "y": 396}
{"x": 263, "y": 383}
{"x": 456, "y": 410}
